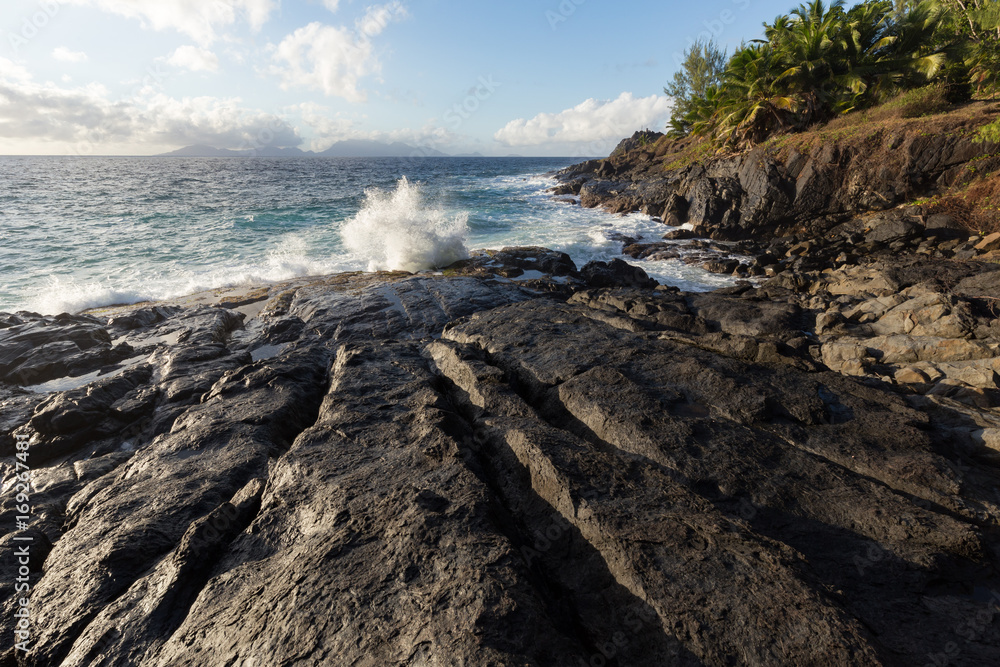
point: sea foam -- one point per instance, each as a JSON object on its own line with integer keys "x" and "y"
{"x": 396, "y": 231}
{"x": 61, "y": 295}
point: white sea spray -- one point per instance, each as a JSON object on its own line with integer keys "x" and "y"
{"x": 396, "y": 231}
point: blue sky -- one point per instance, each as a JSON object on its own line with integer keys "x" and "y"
{"x": 543, "y": 77}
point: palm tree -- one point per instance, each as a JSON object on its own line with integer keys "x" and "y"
{"x": 810, "y": 47}
{"x": 818, "y": 61}
{"x": 753, "y": 102}
{"x": 888, "y": 50}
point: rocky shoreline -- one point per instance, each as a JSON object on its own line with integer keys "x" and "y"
{"x": 517, "y": 461}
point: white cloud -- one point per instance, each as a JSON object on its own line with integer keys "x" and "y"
{"x": 377, "y": 18}
{"x": 194, "y": 58}
{"x": 594, "y": 122}
{"x": 67, "y": 56}
{"x": 328, "y": 128}
{"x": 48, "y": 118}
{"x": 331, "y": 4}
{"x": 326, "y": 58}
{"x": 199, "y": 19}
{"x": 333, "y": 59}
{"x": 11, "y": 71}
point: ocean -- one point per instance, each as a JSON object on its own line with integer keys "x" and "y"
{"x": 81, "y": 232}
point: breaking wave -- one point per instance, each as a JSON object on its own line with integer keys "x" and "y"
{"x": 396, "y": 231}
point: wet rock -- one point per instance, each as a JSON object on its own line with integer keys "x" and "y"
{"x": 646, "y": 399}
{"x": 680, "y": 235}
{"x": 645, "y": 250}
{"x": 69, "y": 419}
{"x": 410, "y": 307}
{"x": 16, "y": 407}
{"x": 616, "y": 273}
{"x": 725, "y": 266}
{"x": 534, "y": 259}
{"x": 572, "y": 188}
{"x": 35, "y": 349}
{"x": 472, "y": 468}
{"x": 119, "y": 534}
{"x": 141, "y": 318}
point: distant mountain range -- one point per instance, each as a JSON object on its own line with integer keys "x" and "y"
{"x": 349, "y": 148}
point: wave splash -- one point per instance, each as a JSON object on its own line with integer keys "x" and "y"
{"x": 394, "y": 231}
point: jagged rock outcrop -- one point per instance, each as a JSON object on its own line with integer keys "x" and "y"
{"x": 774, "y": 191}
{"x": 507, "y": 464}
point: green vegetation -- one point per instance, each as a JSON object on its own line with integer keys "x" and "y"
{"x": 822, "y": 62}
{"x": 977, "y": 24}
{"x": 988, "y": 133}
{"x": 702, "y": 69}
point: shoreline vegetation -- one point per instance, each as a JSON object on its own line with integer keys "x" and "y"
{"x": 823, "y": 61}
{"x": 517, "y": 461}
{"x": 828, "y": 74}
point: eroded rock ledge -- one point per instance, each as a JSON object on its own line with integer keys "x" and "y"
{"x": 516, "y": 463}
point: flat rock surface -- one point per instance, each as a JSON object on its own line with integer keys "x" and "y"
{"x": 472, "y": 469}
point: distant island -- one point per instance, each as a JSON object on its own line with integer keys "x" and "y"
{"x": 349, "y": 148}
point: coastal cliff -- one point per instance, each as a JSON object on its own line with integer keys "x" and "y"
{"x": 519, "y": 461}
{"x": 799, "y": 184}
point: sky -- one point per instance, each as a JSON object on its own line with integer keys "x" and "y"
{"x": 526, "y": 77}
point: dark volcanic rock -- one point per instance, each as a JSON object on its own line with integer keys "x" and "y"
{"x": 763, "y": 192}
{"x": 616, "y": 273}
{"x": 16, "y": 407}
{"x": 474, "y": 469}
{"x": 572, "y": 188}
{"x": 726, "y": 266}
{"x": 222, "y": 445}
{"x": 35, "y": 349}
{"x": 944, "y": 226}
{"x": 680, "y": 235}
{"x": 694, "y": 430}
{"x": 892, "y": 229}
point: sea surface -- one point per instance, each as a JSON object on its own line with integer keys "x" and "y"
{"x": 81, "y": 232}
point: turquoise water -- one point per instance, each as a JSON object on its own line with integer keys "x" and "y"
{"x": 82, "y": 232}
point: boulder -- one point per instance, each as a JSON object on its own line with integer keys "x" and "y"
{"x": 571, "y": 188}
{"x": 889, "y": 229}
{"x": 941, "y": 226}
{"x": 616, "y": 273}
{"x": 726, "y": 266}
{"x": 932, "y": 314}
{"x": 989, "y": 243}
{"x": 680, "y": 235}
{"x": 529, "y": 258}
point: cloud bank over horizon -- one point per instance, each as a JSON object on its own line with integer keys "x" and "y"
{"x": 592, "y": 122}
{"x": 149, "y": 76}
